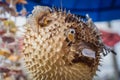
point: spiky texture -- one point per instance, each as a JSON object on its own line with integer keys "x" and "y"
{"x": 51, "y": 52}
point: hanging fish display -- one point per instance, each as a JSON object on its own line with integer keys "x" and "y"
{"x": 59, "y": 45}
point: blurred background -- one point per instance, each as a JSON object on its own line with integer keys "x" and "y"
{"x": 13, "y": 14}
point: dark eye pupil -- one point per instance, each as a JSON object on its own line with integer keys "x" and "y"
{"x": 72, "y": 32}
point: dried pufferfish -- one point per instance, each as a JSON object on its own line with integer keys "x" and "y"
{"x": 61, "y": 46}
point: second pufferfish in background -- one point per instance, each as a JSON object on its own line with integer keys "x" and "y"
{"x": 61, "y": 46}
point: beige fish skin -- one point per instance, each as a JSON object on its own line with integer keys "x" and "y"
{"x": 52, "y": 52}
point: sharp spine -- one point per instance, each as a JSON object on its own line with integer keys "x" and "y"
{"x": 100, "y": 64}
{"x": 87, "y": 16}
{"x": 65, "y": 10}
{"x": 69, "y": 12}
{"x": 96, "y": 74}
{"x": 98, "y": 70}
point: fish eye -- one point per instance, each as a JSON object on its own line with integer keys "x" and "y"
{"x": 72, "y": 31}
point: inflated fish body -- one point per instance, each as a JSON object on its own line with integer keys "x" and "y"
{"x": 61, "y": 46}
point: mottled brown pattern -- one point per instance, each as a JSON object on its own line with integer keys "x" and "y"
{"x": 53, "y": 46}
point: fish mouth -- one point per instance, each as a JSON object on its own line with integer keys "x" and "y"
{"x": 83, "y": 59}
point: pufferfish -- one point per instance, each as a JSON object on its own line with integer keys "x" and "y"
{"x": 59, "y": 45}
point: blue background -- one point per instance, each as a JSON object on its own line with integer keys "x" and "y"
{"x": 99, "y": 10}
